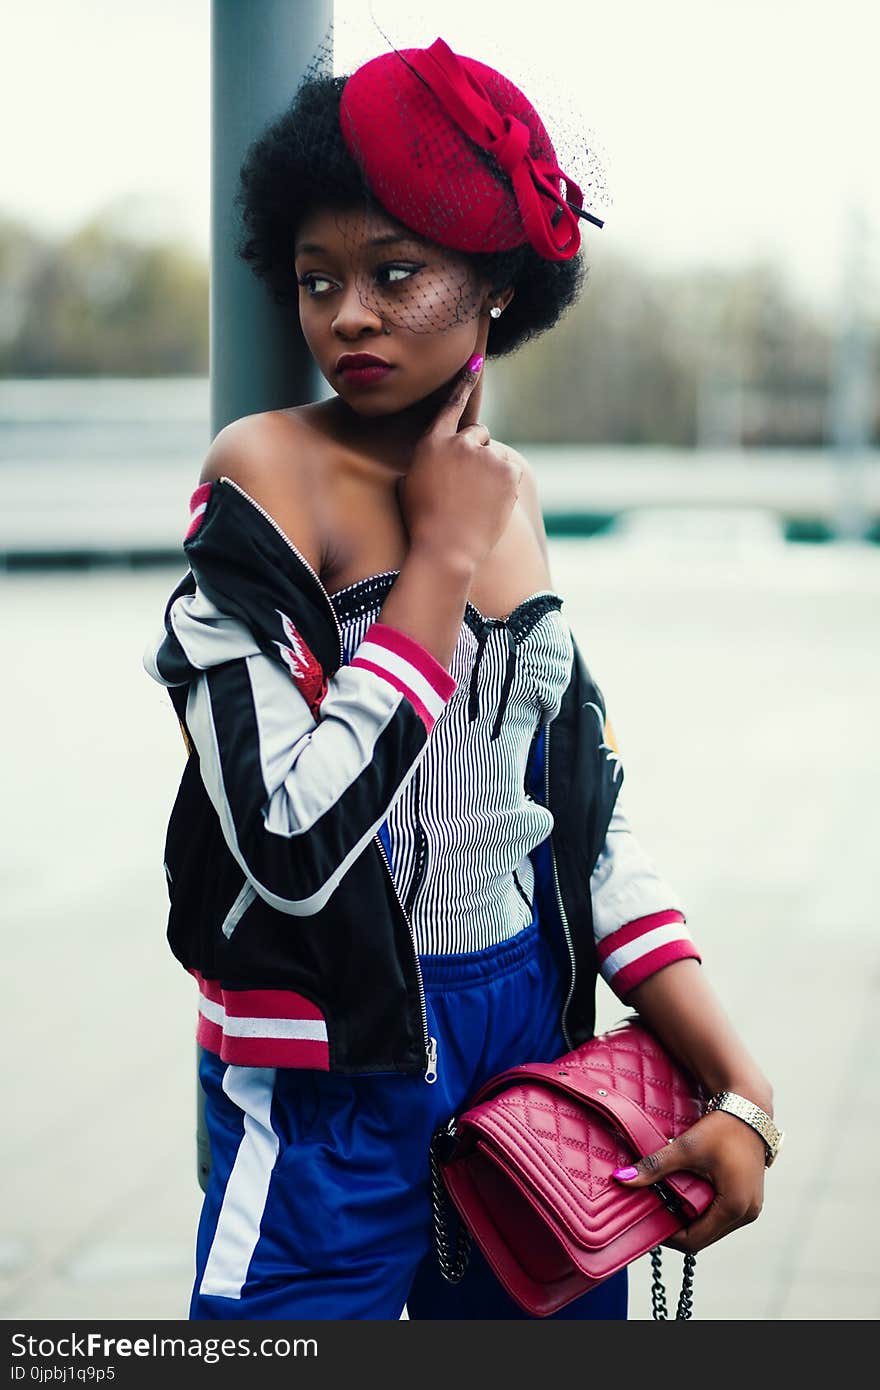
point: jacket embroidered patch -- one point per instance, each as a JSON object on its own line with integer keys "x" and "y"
{"x": 303, "y": 665}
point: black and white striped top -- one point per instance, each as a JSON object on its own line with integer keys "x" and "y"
{"x": 462, "y": 828}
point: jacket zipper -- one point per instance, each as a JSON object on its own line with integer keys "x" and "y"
{"x": 430, "y": 1043}
{"x": 299, "y": 555}
{"x": 562, "y": 916}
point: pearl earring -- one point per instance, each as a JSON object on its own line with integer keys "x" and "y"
{"x": 494, "y": 312}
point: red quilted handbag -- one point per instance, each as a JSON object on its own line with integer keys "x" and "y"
{"x": 528, "y": 1165}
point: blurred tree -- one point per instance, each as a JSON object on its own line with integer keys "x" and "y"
{"x": 701, "y": 357}
{"x": 21, "y": 252}
{"x": 99, "y": 302}
{"x": 610, "y": 370}
{"x": 762, "y": 360}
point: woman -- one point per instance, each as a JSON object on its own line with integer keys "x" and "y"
{"x": 398, "y": 857}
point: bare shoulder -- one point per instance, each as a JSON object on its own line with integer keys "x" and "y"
{"x": 257, "y": 448}
{"x": 528, "y": 496}
{"x": 273, "y": 457}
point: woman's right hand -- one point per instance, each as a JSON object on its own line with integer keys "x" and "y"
{"x": 461, "y": 487}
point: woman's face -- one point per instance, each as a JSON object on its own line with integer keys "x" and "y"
{"x": 369, "y": 286}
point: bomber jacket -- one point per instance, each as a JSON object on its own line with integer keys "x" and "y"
{"x": 282, "y": 898}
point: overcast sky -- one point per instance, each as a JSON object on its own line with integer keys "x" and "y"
{"x": 735, "y": 128}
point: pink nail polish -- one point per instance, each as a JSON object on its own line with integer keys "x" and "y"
{"x": 476, "y": 362}
{"x": 625, "y": 1173}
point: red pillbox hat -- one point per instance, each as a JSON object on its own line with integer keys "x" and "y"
{"x": 457, "y": 153}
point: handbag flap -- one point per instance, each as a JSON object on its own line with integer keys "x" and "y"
{"x": 551, "y": 1126}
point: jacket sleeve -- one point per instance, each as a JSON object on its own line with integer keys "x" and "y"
{"x": 638, "y": 922}
{"x": 300, "y": 797}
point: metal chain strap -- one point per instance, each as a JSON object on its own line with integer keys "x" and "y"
{"x": 452, "y": 1266}
{"x": 658, "y": 1292}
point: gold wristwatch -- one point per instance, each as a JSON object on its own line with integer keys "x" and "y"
{"x": 732, "y": 1104}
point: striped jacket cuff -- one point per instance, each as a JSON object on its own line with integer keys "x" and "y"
{"x": 640, "y": 948}
{"x": 408, "y": 667}
{"x": 261, "y": 1027}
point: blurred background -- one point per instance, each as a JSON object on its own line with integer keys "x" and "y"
{"x": 705, "y": 427}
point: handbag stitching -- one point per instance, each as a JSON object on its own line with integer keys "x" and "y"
{"x": 565, "y": 1197}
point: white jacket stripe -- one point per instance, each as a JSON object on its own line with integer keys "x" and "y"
{"x": 301, "y": 781}
{"x": 625, "y": 884}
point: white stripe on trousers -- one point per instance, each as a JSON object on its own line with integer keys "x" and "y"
{"x": 238, "y": 1225}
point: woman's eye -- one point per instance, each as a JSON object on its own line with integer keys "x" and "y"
{"x": 395, "y": 274}
{"x": 311, "y": 281}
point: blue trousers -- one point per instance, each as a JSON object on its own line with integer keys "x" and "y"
{"x": 318, "y": 1203}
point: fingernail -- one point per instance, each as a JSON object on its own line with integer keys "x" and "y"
{"x": 476, "y": 362}
{"x": 625, "y": 1173}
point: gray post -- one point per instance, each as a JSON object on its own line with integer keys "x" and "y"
{"x": 259, "y": 51}
{"x": 259, "y": 360}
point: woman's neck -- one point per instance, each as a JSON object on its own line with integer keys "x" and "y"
{"x": 390, "y": 437}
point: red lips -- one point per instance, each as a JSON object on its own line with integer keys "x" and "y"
{"x": 351, "y": 361}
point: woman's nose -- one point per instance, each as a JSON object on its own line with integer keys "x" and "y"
{"x": 353, "y": 317}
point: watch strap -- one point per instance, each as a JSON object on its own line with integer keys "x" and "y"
{"x": 751, "y": 1114}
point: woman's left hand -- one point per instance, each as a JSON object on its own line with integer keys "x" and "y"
{"x": 728, "y": 1154}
